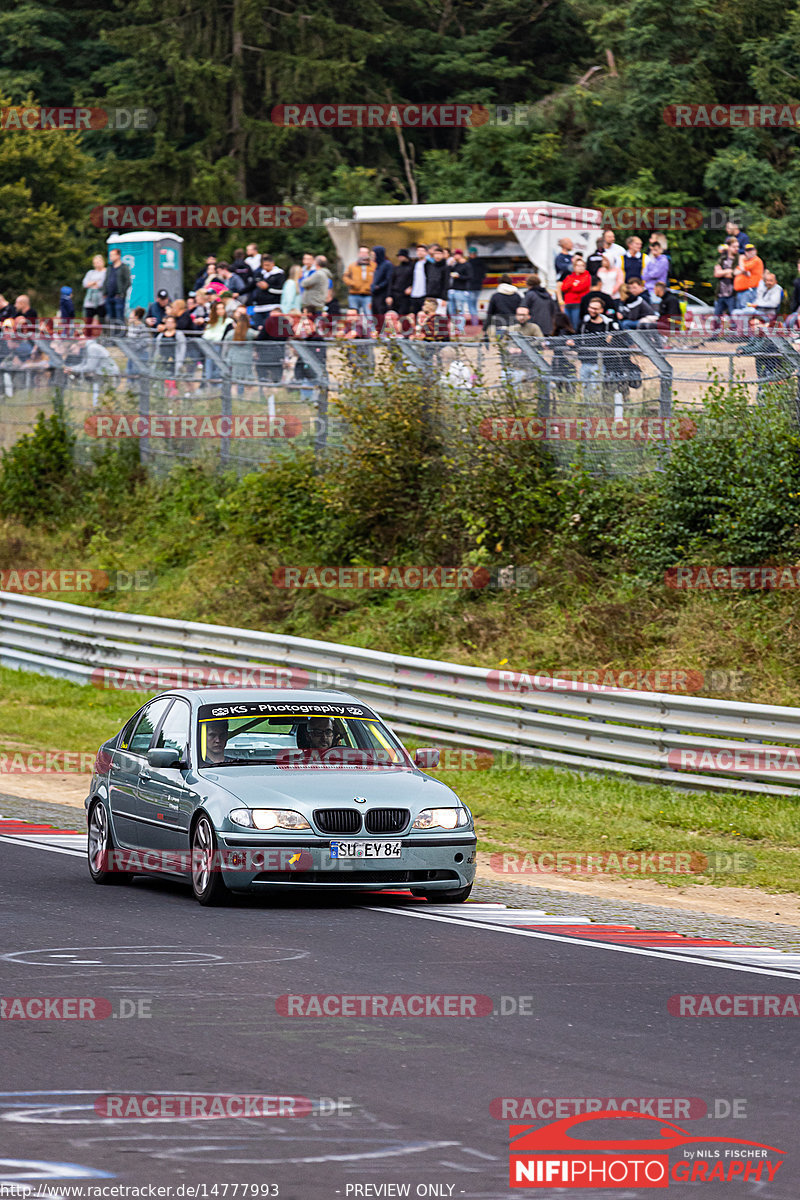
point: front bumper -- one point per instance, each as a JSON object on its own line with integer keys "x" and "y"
{"x": 429, "y": 862}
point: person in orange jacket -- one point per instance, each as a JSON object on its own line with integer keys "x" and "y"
{"x": 747, "y": 276}
{"x": 358, "y": 281}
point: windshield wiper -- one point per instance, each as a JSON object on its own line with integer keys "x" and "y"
{"x": 237, "y": 762}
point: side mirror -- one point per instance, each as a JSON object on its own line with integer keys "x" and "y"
{"x": 163, "y": 758}
{"x": 426, "y": 759}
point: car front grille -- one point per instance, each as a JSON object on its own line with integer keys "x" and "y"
{"x": 337, "y": 820}
{"x": 386, "y": 820}
{"x": 348, "y": 878}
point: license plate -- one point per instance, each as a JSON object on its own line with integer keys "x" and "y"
{"x": 366, "y": 849}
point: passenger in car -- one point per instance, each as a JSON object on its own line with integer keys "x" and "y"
{"x": 216, "y": 740}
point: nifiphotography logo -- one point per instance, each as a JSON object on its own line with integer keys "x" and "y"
{"x": 575, "y": 1153}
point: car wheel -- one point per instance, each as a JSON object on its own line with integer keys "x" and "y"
{"x": 207, "y": 882}
{"x": 101, "y": 844}
{"x": 457, "y": 896}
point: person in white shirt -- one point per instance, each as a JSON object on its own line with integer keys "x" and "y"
{"x": 614, "y": 253}
{"x": 253, "y": 259}
{"x": 419, "y": 279}
{"x": 611, "y": 278}
{"x": 767, "y": 302}
{"x": 94, "y": 362}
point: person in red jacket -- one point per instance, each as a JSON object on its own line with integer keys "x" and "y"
{"x": 573, "y": 288}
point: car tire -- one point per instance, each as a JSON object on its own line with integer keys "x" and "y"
{"x": 456, "y": 896}
{"x": 207, "y": 884}
{"x": 101, "y": 843}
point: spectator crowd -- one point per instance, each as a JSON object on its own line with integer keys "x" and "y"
{"x": 428, "y": 293}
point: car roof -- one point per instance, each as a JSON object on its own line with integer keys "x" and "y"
{"x": 198, "y": 696}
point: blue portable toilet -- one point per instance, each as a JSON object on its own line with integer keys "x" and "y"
{"x": 156, "y": 262}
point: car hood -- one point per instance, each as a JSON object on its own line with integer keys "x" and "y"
{"x": 259, "y": 787}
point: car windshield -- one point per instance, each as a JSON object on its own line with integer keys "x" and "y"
{"x": 306, "y": 736}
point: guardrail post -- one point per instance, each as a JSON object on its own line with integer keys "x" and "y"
{"x": 226, "y": 410}
{"x": 789, "y": 352}
{"x": 645, "y": 344}
{"x": 138, "y": 358}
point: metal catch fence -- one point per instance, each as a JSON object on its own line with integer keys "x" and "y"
{"x": 242, "y": 404}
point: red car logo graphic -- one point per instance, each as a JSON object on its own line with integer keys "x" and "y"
{"x": 556, "y": 1136}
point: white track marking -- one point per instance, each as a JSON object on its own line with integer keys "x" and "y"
{"x": 668, "y": 956}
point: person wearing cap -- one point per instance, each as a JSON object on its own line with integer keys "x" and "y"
{"x": 157, "y": 311}
{"x": 476, "y": 275}
{"x": 459, "y": 285}
{"x": 400, "y": 286}
{"x": 747, "y": 276}
{"x": 66, "y": 307}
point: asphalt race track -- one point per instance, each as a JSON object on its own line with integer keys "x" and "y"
{"x": 404, "y": 1100}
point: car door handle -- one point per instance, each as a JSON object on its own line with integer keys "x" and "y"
{"x": 145, "y": 774}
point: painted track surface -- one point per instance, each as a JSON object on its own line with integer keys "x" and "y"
{"x": 421, "y": 1088}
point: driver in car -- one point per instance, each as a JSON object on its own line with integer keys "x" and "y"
{"x": 216, "y": 740}
{"x": 318, "y": 733}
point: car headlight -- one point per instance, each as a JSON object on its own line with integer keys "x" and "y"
{"x": 268, "y": 818}
{"x": 441, "y": 818}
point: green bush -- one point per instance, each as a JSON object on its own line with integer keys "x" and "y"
{"x": 279, "y": 507}
{"x": 731, "y": 491}
{"x": 110, "y": 483}
{"x": 39, "y": 482}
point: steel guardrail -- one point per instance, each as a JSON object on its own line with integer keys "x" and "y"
{"x": 577, "y": 726}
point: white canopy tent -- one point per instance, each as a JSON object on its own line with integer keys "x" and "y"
{"x": 535, "y": 226}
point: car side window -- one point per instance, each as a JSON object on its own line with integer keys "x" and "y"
{"x": 143, "y": 734}
{"x": 124, "y": 742}
{"x": 174, "y": 733}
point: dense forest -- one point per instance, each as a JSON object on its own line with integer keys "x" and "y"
{"x": 595, "y": 80}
